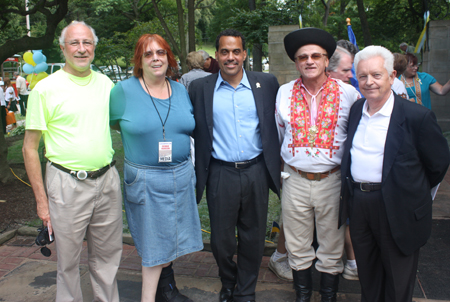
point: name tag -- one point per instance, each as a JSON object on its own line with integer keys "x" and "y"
{"x": 165, "y": 152}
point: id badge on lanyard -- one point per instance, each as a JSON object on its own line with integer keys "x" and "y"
{"x": 165, "y": 152}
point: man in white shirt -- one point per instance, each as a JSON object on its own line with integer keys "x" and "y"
{"x": 311, "y": 115}
{"x": 395, "y": 153}
{"x": 21, "y": 86}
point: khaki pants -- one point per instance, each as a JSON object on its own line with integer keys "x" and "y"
{"x": 305, "y": 202}
{"x": 92, "y": 207}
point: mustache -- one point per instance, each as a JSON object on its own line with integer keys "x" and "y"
{"x": 231, "y": 63}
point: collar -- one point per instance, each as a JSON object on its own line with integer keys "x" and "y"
{"x": 220, "y": 81}
{"x": 386, "y": 110}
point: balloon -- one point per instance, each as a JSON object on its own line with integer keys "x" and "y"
{"x": 41, "y": 75}
{"x": 29, "y": 78}
{"x": 28, "y": 58}
{"x": 37, "y": 50}
{"x": 27, "y": 68}
{"x": 40, "y": 67}
{"x": 38, "y": 57}
{"x": 45, "y": 58}
{"x": 31, "y": 86}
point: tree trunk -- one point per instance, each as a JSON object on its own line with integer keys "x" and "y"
{"x": 327, "y": 12}
{"x": 257, "y": 47}
{"x": 5, "y": 172}
{"x": 364, "y": 23}
{"x": 191, "y": 25}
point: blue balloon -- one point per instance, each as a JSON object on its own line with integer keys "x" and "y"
{"x": 40, "y": 67}
{"x": 38, "y": 57}
{"x": 38, "y": 50}
{"x": 28, "y": 68}
{"x": 45, "y": 59}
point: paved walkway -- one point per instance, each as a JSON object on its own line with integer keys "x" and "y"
{"x": 26, "y": 275}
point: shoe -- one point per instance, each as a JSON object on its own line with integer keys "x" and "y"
{"x": 302, "y": 285}
{"x": 350, "y": 273}
{"x": 281, "y": 268}
{"x": 167, "y": 290}
{"x": 328, "y": 287}
{"x": 226, "y": 294}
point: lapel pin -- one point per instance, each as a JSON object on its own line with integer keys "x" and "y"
{"x": 258, "y": 85}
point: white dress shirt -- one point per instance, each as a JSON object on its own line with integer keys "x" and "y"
{"x": 367, "y": 152}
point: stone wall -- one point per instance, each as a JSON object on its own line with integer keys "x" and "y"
{"x": 280, "y": 64}
{"x": 436, "y": 61}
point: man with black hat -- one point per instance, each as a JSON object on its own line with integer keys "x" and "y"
{"x": 312, "y": 114}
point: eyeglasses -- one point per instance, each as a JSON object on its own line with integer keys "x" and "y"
{"x": 76, "y": 43}
{"x": 413, "y": 66}
{"x": 159, "y": 53}
{"x": 315, "y": 56}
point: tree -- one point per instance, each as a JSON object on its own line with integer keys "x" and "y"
{"x": 54, "y": 11}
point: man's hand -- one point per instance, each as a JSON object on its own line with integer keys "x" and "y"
{"x": 33, "y": 167}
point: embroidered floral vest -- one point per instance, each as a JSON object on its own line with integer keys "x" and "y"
{"x": 322, "y": 135}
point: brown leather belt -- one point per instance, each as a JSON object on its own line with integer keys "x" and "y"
{"x": 315, "y": 176}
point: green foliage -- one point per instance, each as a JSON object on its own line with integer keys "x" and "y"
{"x": 17, "y": 131}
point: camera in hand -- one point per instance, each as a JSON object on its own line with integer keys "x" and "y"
{"x": 43, "y": 239}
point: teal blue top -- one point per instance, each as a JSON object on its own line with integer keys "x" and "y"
{"x": 140, "y": 125}
{"x": 425, "y": 80}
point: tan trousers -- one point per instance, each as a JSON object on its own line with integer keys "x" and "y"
{"x": 305, "y": 202}
{"x": 92, "y": 207}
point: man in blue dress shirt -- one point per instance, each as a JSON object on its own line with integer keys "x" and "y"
{"x": 237, "y": 160}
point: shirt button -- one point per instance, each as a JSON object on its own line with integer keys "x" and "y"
{"x": 239, "y": 121}
{"x": 242, "y": 151}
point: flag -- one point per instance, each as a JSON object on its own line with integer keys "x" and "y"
{"x": 300, "y": 23}
{"x": 352, "y": 39}
{"x": 423, "y": 35}
{"x": 275, "y": 227}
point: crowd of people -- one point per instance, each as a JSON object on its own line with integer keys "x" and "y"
{"x": 359, "y": 173}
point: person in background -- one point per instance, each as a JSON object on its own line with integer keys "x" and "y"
{"x": 340, "y": 66}
{"x": 155, "y": 119}
{"x": 10, "y": 96}
{"x": 81, "y": 196}
{"x": 419, "y": 84}
{"x": 211, "y": 65}
{"x": 351, "y": 48}
{"x": 195, "y": 63}
{"x": 3, "y": 106}
{"x": 21, "y": 86}
{"x": 411, "y": 50}
{"x": 400, "y": 64}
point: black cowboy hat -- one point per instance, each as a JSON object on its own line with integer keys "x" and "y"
{"x": 309, "y": 35}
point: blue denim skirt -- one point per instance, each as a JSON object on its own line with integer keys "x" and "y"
{"x": 162, "y": 211}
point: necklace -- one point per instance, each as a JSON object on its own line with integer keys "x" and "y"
{"x": 70, "y": 78}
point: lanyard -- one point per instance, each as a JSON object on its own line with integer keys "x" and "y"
{"x": 170, "y": 103}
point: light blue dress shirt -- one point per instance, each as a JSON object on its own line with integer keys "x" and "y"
{"x": 236, "y": 131}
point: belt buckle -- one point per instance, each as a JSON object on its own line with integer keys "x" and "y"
{"x": 360, "y": 187}
{"x": 236, "y": 164}
{"x": 82, "y": 175}
{"x": 317, "y": 176}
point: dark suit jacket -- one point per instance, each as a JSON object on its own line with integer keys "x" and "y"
{"x": 201, "y": 93}
{"x": 416, "y": 158}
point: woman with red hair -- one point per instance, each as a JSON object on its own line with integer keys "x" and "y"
{"x": 419, "y": 84}
{"x": 155, "y": 118}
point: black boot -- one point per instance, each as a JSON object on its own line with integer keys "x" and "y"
{"x": 303, "y": 284}
{"x": 328, "y": 287}
{"x": 167, "y": 290}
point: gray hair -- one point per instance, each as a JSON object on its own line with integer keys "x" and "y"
{"x": 403, "y": 44}
{"x": 15, "y": 73}
{"x": 73, "y": 23}
{"x": 376, "y": 51}
{"x": 336, "y": 58}
{"x": 204, "y": 54}
{"x": 194, "y": 60}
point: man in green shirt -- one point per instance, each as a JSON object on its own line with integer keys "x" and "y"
{"x": 81, "y": 193}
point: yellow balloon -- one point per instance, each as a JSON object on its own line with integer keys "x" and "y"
{"x": 29, "y": 78}
{"x": 41, "y": 75}
{"x": 28, "y": 58}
